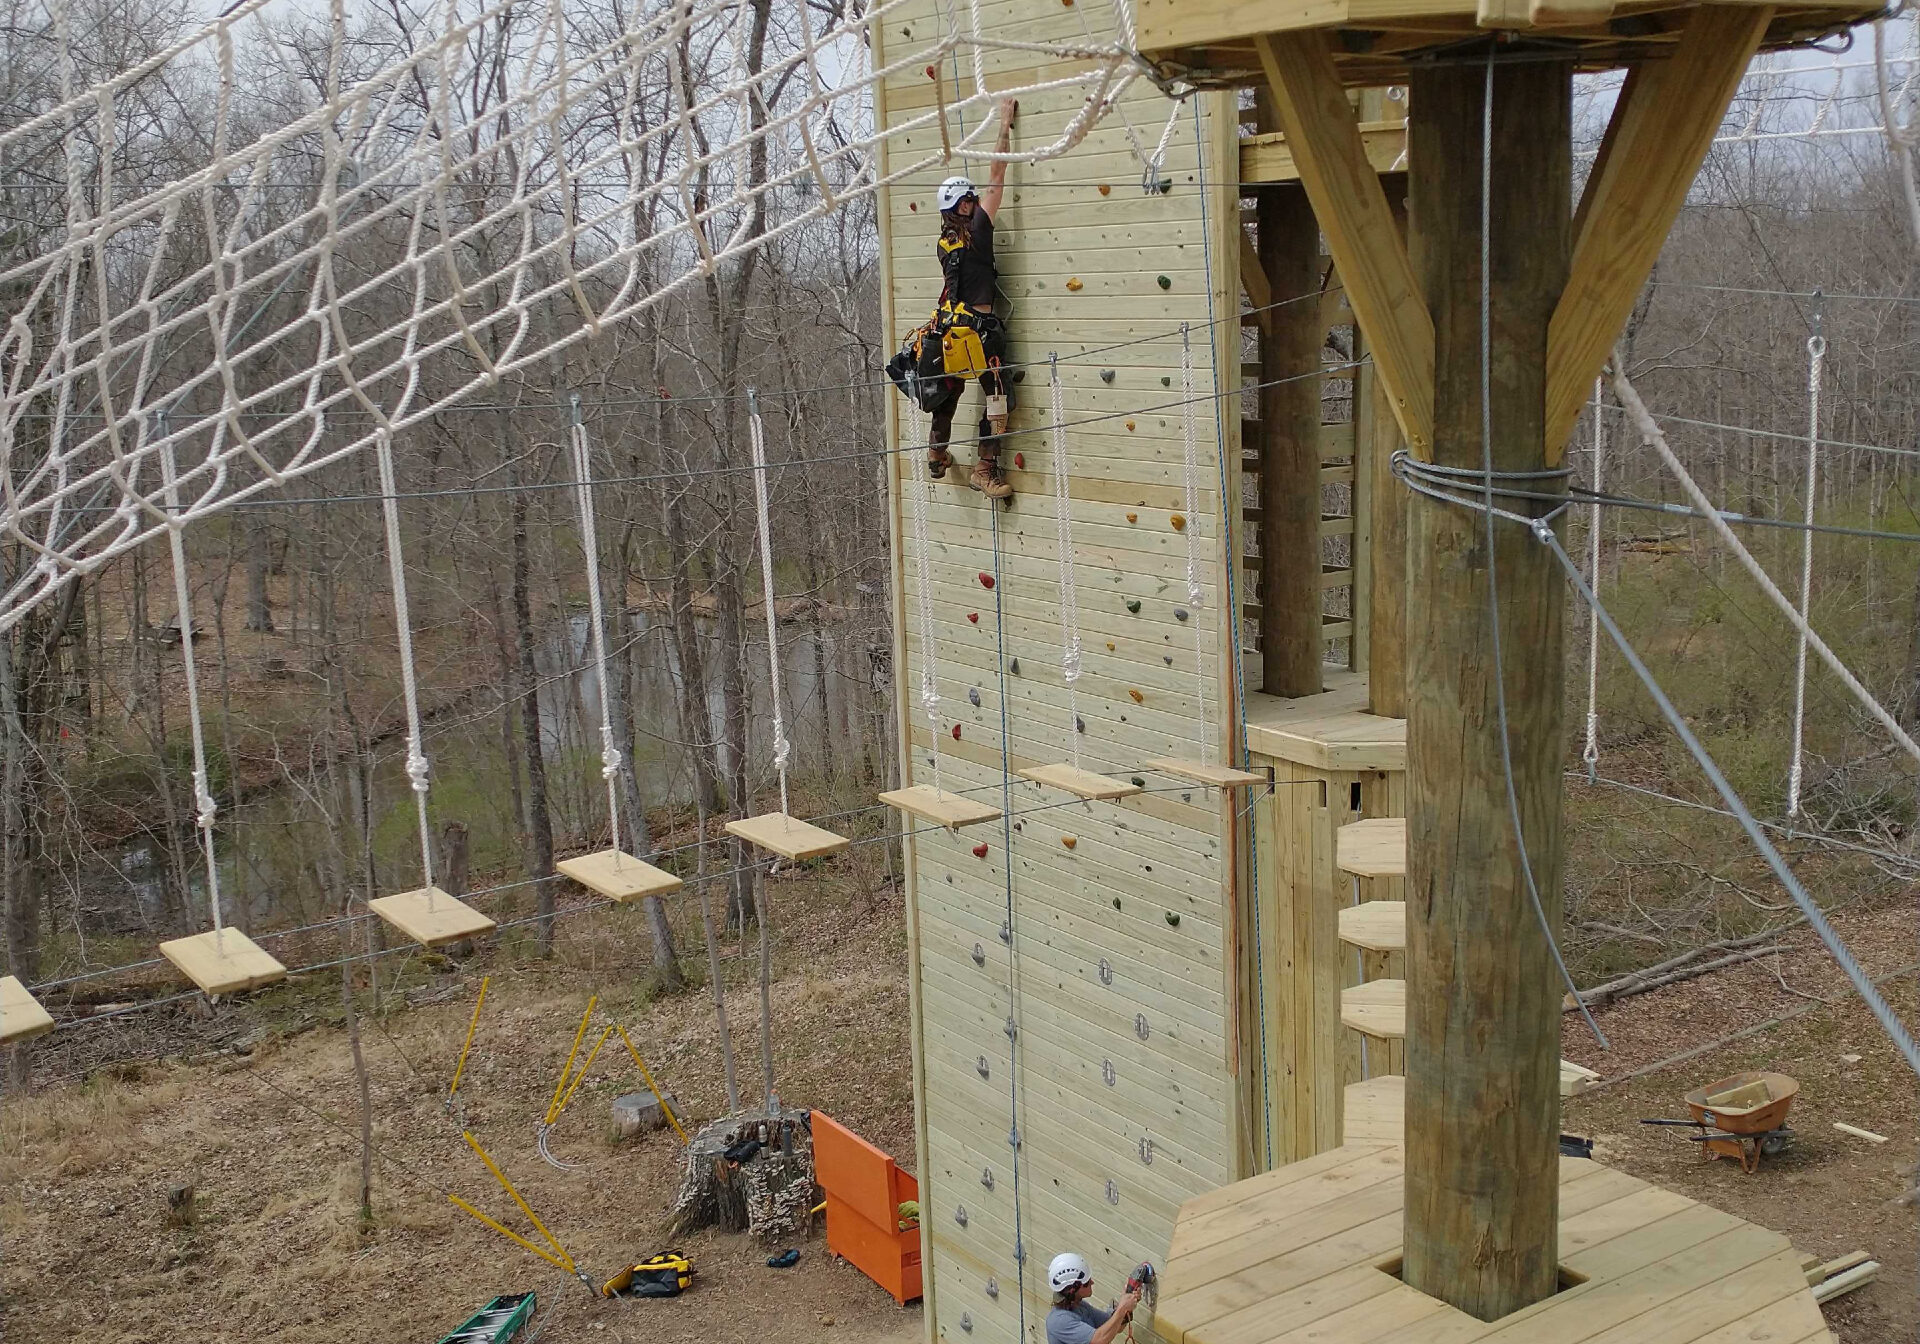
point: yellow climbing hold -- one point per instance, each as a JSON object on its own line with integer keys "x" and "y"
{"x": 1073, "y": 285}
{"x": 1109, "y": 646}
{"x": 1138, "y": 698}
{"x": 1133, "y": 517}
{"x": 1129, "y": 426}
{"x": 1179, "y": 521}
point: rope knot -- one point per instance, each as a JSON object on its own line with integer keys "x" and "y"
{"x": 416, "y": 768}
{"x": 1070, "y": 661}
{"x": 203, "y": 799}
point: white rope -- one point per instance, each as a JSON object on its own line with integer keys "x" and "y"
{"x": 1063, "y": 533}
{"x": 1901, "y": 134}
{"x": 417, "y": 770}
{"x": 204, "y": 807}
{"x": 782, "y": 749}
{"x": 405, "y": 271}
{"x": 923, "y": 573}
{"x": 1816, "y": 366}
{"x": 1190, "y": 453}
{"x": 1592, "y": 753}
{"x": 1651, "y": 434}
{"x": 611, "y": 757}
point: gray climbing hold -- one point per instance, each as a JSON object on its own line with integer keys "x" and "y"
{"x": 1146, "y": 1150}
{"x": 1179, "y": 613}
{"x": 1006, "y": 933}
{"x": 960, "y": 1214}
{"x": 1012, "y": 1029}
{"x": 1013, "y": 1137}
{"x": 1106, "y": 971}
{"x": 1013, "y": 666}
{"x": 1108, "y": 1074}
{"x": 1079, "y": 724}
{"x": 993, "y": 1289}
{"x": 1138, "y": 782}
{"x": 979, "y": 955}
{"x": 1019, "y": 1252}
{"x": 1167, "y": 658}
{"x": 966, "y": 1322}
{"x": 973, "y": 694}
{"x": 1140, "y": 1027}
{"x": 1133, "y": 605}
{"x": 1106, "y": 375}
{"x": 1113, "y": 1193}
{"x": 984, "y": 1068}
{"x": 986, "y": 1177}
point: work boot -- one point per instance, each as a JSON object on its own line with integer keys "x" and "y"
{"x": 987, "y": 477}
{"x": 938, "y": 460}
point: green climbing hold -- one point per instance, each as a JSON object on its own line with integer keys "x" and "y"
{"x": 1139, "y": 783}
{"x": 1106, "y": 375}
{"x": 1116, "y": 902}
{"x": 1014, "y": 667}
{"x": 1165, "y": 283}
{"x": 1133, "y": 605}
{"x": 1173, "y": 920}
{"x": 1166, "y": 381}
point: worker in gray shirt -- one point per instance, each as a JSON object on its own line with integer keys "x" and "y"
{"x": 1073, "y": 1319}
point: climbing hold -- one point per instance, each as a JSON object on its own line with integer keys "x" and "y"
{"x": 1073, "y": 285}
{"x": 1006, "y": 936}
{"x": 993, "y": 1288}
{"x": 1164, "y": 282}
{"x": 1129, "y": 426}
{"x": 956, "y": 732}
{"x": 1133, "y": 605}
{"x": 986, "y": 1179}
{"x": 973, "y": 695}
{"x": 1173, "y": 920}
{"x": 1106, "y": 971}
{"x": 974, "y": 616}
{"x": 1135, "y": 696}
{"x": 933, "y": 72}
{"x": 1133, "y": 517}
{"x": 1166, "y": 381}
{"x": 1139, "y": 783}
{"x": 980, "y": 850}
{"x": 1179, "y": 521}
{"x": 913, "y": 205}
{"x": 1107, "y": 1072}
{"x": 1013, "y": 666}
{"x": 966, "y": 1321}
{"x": 979, "y": 952}
{"x": 1012, "y": 1029}
{"x": 1109, "y": 646}
{"x": 1116, "y": 902}
{"x": 1165, "y": 187}
{"x": 986, "y": 581}
{"x": 1020, "y": 460}
{"x": 1113, "y": 1193}
{"x": 983, "y": 1066}
{"x": 1167, "y": 658}
{"x": 1105, "y": 190}
{"x": 1020, "y": 826}
{"x": 1106, "y": 375}
{"x": 960, "y": 1214}
{"x": 1069, "y": 840}
{"x": 1140, "y": 1027}
{"x": 1019, "y": 375}
{"x": 1179, "y": 613}
{"x": 1079, "y": 724}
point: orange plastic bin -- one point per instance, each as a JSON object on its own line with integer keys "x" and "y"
{"x": 864, "y": 1192}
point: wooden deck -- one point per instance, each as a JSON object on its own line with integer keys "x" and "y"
{"x": 1311, "y": 1252}
{"x": 1329, "y": 731}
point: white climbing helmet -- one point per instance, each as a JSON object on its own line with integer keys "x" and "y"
{"x": 1068, "y": 1271}
{"x": 953, "y": 191}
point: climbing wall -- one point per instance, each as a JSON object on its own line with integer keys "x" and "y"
{"x": 1074, "y": 996}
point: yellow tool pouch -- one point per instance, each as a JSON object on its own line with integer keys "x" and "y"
{"x": 961, "y": 352}
{"x": 667, "y": 1274}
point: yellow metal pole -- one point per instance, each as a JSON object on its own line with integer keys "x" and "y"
{"x": 578, "y": 1036}
{"x": 592, "y": 1055}
{"x": 461, "y": 1067}
{"x": 525, "y": 1208}
{"x": 645, "y": 1073}
{"x": 508, "y": 1233}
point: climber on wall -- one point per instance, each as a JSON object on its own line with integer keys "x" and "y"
{"x": 966, "y": 305}
{"x": 1073, "y": 1319}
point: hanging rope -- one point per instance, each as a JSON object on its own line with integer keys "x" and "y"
{"x": 611, "y": 758}
{"x": 782, "y": 749}
{"x": 204, "y": 807}
{"x": 403, "y": 622}
{"x": 1816, "y": 369}
{"x": 1063, "y": 530}
{"x": 923, "y": 567}
{"x": 1191, "y": 465}
{"x": 1592, "y": 753}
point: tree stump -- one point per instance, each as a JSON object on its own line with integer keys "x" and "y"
{"x": 748, "y": 1173}
{"x": 180, "y": 1206}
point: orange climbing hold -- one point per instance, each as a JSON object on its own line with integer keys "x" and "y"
{"x": 1073, "y": 285}
{"x": 1179, "y": 521}
{"x": 1105, "y": 189}
{"x": 1133, "y": 517}
{"x": 1138, "y": 698}
{"x": 1069, "y": 840}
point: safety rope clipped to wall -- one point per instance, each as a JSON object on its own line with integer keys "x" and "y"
{"x": 1063, "y": 533}
{"x": 1816, "y": 368}
{"x": 611, "y": 758}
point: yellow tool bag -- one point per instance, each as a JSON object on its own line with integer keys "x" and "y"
{"x": 667, "y": 1274}
{"x": 962, "y": 353}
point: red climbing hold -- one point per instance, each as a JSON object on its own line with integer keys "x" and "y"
{"x": 980, "y": 851}
{"x": 974, "y": 616}
{"x": 956, "y": 732}
{"x": 986, "y": 580}
{"x": 1020, "y": 460}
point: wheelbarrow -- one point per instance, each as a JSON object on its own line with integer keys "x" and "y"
{"x": 1742, "y": 1116}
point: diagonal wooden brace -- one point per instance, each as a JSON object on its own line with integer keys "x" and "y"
{"x": 1352, "y": 208}
{"x": 1667, "y": 116}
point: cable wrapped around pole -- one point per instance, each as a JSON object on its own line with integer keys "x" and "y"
{"x": 1816, "y": 368}
{"x": 782, "y": 749}
{"x": 611, "y": 757}
{"x": 417, "y": 769}
{"x": 204, "y": 806}
{"x": 1190, "y": 452}
{"x": 1063, "y": 532}
{"x": 1591, "y": 756}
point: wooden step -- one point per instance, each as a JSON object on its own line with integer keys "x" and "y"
{"x": 1377, "y": 926}
{"x": 1378, "y": 1009}
{"x": 1372, "y": 848}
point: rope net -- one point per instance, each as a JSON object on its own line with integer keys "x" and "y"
{"x": 374, "y": 215}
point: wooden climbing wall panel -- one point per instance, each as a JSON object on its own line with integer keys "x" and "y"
{"x": 1118, "y": 1075}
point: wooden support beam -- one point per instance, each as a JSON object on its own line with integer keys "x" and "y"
{"x": 1376, "y": 439}
{"x": 1253, "y": 278}
{"x": 1352, "y": 207}
{"x": 1666, "y": 118}
{"x": 1483, "y": 1009}
{"x": 1291, "y": 641}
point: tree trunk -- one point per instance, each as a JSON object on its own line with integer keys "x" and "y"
{"x": 259, "y": 562}
{"x": 539, "y": 821}
{"x": 761, "y": 904}
{"x": 366, "y": 1098}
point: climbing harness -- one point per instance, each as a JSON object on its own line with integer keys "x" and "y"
{"x": 1816, "y": 367}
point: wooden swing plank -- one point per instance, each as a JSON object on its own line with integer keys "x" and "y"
{"x": 21, "y": 1016}
{"x": 1377, "y": 926}
{"x": 1083, "y": 783}
{"x": 940, "y": 806}
{"x": 430, "y": 917}
{"x": 223, "y": 962}
{"x": 1373, "y": 848}
{"x": 1216, "y": 776}
{"x": 789, "y": 837}
{"x": 618, "y": 876}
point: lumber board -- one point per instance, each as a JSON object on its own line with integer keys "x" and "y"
{"x": 1081, "y": 783}
{"x": 430, "y": 917}
{"x": 225, "y": 961}
{"x": 1376, "y": 1110}
{"x": 1377, "y": 926}
{"x": 1204, "y": 772}
{"x": 1377, "y": 1008}
{"x": 21, "y": 1016}
{"x": 787, "y": 836}
{"x": 618, "y": 876}
{"x": 1376, "y": 847}
{"x": 942, "y": 807}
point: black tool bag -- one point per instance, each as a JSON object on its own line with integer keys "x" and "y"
{"x": 667, "y": 1274}
{"x": 920, "y": 372}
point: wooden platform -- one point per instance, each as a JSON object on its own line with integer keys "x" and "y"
{"x": 942, "y": 808}
{"x": 430, "y": 917}
{"x": 1083, "y": 783}
{"x": 789, "y": 837}
{"x": 618, "y": 876}
{"x": 1378, "y": 1008}
{"x": 1215, "y": 776}
{"x": 1376, "y": 1110}
{"x": 21, "y": 1016}
{"x": 227, "y": 962}
{"x": 1329, "y": 731}
{"x": 1376, "y": 847}
{"x": 1376, "y": 926}
{"x": 1310, "y": 1252}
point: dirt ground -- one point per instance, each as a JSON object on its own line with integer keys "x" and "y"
{"x": 269, "y": 1140}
